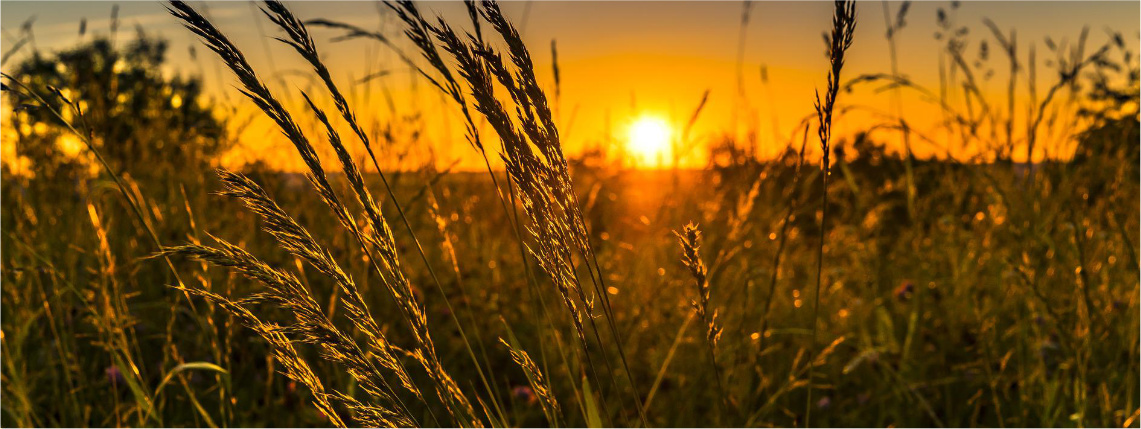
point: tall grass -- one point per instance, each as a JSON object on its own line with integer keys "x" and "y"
{"x": 690, "y": 239}
{"x": 948, "y": 291}
{"x": 543, "y": 181}
{"x": 843, "y": 28}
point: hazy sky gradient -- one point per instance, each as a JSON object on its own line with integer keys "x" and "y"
{"x": 618, "y": 60}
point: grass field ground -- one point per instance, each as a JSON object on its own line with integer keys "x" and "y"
{"x": 562, "y": 290}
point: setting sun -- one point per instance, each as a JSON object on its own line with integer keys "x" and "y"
{"x": 649, "y": 141}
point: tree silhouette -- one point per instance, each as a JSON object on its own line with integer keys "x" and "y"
{"x": 136, "y": 115}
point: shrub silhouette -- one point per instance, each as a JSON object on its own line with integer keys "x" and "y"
{"x": 134, "y": 113}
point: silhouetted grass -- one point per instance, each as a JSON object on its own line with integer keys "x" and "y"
{"x": 944, "y": 291}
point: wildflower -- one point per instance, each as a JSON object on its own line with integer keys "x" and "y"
{"x": 904, "y": 291}
{"x": 525, "y": 393}
{"x": 824, "y": 403}
{"x": 114, "y": 375}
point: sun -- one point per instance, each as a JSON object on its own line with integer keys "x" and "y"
{"x": 649, "y": 141}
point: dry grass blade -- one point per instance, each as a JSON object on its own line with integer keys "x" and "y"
{"x": 537, "y": 381}
{"x": 381, "y": 237}
{"x": 311, "y": 324}
{"x": 532, "y": 153}
{"x": 538, "y": 122}
{"x": 293, "y": 365}
{"x": 290, "y": 234}
{"x": 690, "y": 240}
{"x": 296, "y": 239}
{"x": 542, "y": 178}
{"x": 843, "y": 28}
{"x": 302, "y": 42}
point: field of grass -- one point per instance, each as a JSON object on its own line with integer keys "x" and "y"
{"x": 879, "y": 290}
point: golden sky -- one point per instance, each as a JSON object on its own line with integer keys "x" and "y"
{"x": 619, "y": 61}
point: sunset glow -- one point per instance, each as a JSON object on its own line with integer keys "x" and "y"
{"x": 648, "y": 141}
{"x": 760, "y": 73}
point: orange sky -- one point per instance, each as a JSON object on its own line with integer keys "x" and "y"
{"x": 619, "y": 61}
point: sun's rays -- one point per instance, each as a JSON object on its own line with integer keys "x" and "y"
{"x": 649, "y": 141}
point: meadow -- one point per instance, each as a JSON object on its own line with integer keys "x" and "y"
{"x": 144, "y": 286}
